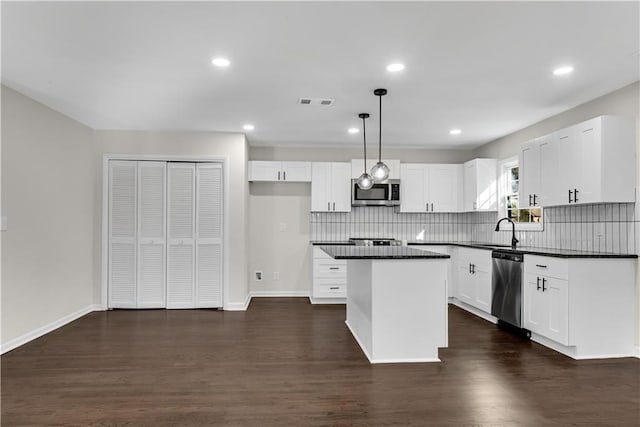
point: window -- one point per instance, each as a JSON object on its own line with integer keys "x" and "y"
{"x": 524, "y": 218}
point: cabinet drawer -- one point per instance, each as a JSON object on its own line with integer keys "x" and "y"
{"x": 329, "y": 289}
{"x": 329, "y": 269}
{"x": 546, "y": 266}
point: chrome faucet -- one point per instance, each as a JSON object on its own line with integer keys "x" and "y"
{"x": 514, "y": 241}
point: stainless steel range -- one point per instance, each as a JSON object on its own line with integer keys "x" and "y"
{"x": 375, "y": 241}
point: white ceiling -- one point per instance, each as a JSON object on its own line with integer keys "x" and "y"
{"x": 482, "y": 67}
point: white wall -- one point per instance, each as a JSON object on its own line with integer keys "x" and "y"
{"x": 625, "y": 101}
{"x": 47, "y": 196}
{"x": 212, "y": 144}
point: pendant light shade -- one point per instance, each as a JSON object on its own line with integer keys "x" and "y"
{"x": 365, "y": 182}
{"x": 380, "y": 172}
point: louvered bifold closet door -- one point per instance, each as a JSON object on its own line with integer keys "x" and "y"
{"x": 209, "y": 235}
{"x": 122, "y": 234}
{"x": 151, "y": 235}
{"x": 181, "y": 235}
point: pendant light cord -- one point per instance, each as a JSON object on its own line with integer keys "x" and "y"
{"x": 364, "y": 135}
{"x": 380, "y": 132}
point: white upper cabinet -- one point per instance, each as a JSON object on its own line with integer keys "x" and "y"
{"x": 331, "y": 187}
{"x": 480, "y": 188}
{"x": 279, "y": 171}
{"x": 591, "y": 162}
{"x": 430, "y": 187}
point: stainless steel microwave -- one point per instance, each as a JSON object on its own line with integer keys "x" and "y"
{"x": 387, "y": 194}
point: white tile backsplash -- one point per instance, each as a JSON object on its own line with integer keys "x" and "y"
{"x": 565, "y": 227}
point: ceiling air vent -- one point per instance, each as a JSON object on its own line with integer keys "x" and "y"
{"x": 323, "y": 102}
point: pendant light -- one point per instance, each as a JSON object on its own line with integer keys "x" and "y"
{"x": 365, "y": 182}
{"x": 380, "y": 172}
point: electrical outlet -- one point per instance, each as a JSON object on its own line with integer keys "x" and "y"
{"x": 258, "y": 276}
{"x": 283, "y": 226}
{"x": 276, "y": 275}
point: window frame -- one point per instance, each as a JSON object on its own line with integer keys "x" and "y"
{"x": 503, "y": 184}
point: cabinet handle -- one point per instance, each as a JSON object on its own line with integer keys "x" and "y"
{"x": 534, "y": 200}
{"x": 426, "y": 207}
{"x": 529, "y": 199}
{"x": 470, "y": 269}
{"x": 473, "y": 268}
{"x": 334, "y": 288}
{"x": 537, "y": 283}
{"x": 284, "y": 175}
{"x": 278, "y": 175}
{"x": 334, "y": 206}
{"x": 431, "y": 207}
{"x": 334, "y": 268}
{"x": 328, "y": 206}
{"x": 544, "y": 281}
{"x": 570, "y": 193}
{"x": 575, "y": 195}
{"x": 475, "y": 204}
{"x": 541, "y": 266}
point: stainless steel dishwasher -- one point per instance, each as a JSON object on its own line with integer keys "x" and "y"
{"x": 506, "y": 286}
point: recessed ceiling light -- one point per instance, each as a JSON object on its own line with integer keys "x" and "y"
{"x": 455, "y": 131}
{"x": 561, "y": 71}
{"x": 353, "y": 130}
{"x": 248, "y": 127}
{"x": 395, "y": 67}
{"x": 221, "y": 62}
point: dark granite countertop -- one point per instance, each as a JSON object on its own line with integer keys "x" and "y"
{"x": 379, "y": 252}
{"x": 557, "y": 253}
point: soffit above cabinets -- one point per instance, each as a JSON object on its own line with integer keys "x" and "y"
{"x": 482, "y": 67}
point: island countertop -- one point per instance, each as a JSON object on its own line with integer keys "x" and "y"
{"x": 379, "y": 252}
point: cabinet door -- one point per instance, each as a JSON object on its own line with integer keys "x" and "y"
{"x": 442, "y": 188}
{"x": 181, "y": 238}
{"x": 567, "y": 167}
{"x": 296, "y": 171}
{"x": 466, "y": 289}
{"x": 470, "y": 190}
{"x": 556, "y": 292}
{"x": 536, "y": 306}
{"x": 320, "y": 186}
{"x": 264, "y": 171}
{"x": 529, "y": 173}
{"x": 413, "y": 189}
{"x": 588, "y": 135}
{"x": 482, "y": 278}
{"x": 340, "y": 189}
{"x": 122, "y": 234}
{"x": 486, "y": 185}
{"x": 151, "y": 235}
{"x": 549, "y": 194}
{"x": 208, "y": 222}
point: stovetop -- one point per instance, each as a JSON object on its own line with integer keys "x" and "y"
{"x": 375, "y": 241}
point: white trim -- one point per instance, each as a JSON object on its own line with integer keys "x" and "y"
{"x": 106, "y": 157}
{"x": 279, "y": 294}
{"x": 38, "y": 332}
{"x": 637, "y": 352}
{"x": 473, "y": 310}
{"x": 363, "y": 348}
{"x": 238, "y": 306}
{"x": 314, "y": 301}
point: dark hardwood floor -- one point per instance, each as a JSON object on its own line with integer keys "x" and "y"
{"x": 285, "y": 362}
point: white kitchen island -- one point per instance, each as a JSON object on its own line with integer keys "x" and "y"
{"x": 396, "y": 301}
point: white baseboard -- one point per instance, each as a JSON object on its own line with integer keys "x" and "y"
{"x": 473, "y": 310}
{"x": 637, "y": 352}
{"x": 36, "y": 333}
{"x": 280, "y": 294}
{"x": 238, "y": 306}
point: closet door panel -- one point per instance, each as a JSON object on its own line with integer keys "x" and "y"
{"x": 122, "y": 234}
{"x": 151, "y": 235}
{"x": 209, "y": 235}
{"x": 181, "y": 235}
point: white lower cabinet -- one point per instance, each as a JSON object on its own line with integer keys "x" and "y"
{"x": 473, "y": 277}
{"x": 582, "y": 307}
{"x": 442, "y": 249}
{"x": 329, "y": 279}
